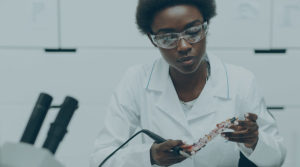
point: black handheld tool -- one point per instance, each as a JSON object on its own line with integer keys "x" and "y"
{"x": 159, "y": 140}
{"x": 152, "y": 135}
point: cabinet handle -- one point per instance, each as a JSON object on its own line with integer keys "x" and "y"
{"x": 275, "y": 107}
{"x": 58, "y": 50}
{"x": 270, "y": 51}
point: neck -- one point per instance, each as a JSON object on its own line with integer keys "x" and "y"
{"x": 189, "y": 82}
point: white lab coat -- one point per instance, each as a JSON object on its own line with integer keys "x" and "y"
{"x": 147, "y": 99}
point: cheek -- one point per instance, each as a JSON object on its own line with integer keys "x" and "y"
{"x": 200, "y": 47}
{"x": 169, "y": 55}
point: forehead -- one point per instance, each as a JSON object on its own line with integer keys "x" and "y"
{"x": 176, "y": 17}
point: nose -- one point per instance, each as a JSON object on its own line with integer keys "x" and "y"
{"x": 183, "y": 46}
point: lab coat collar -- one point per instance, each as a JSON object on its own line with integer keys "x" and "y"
{"x": 159, "y": 77}
{"x": 219, "y": 78}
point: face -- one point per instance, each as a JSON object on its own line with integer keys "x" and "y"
{"x": 186, "y": 57}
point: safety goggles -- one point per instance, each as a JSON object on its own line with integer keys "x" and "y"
{"x": 192, "y": 35}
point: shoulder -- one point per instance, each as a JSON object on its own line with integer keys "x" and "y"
{"x": 239, "y": 74}
{"x": 137, "y": 76}
{"x": 242, "y": 82}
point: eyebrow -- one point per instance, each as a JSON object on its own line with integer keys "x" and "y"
{"x": 191, "y": 24}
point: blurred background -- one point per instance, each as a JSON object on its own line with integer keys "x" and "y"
{"x": 81, "y": 48}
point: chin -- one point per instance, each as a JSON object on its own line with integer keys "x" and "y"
{"x": 188, "y": 70}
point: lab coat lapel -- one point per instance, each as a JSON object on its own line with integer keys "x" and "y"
{"x": 205, "y": 104}
{"x": 215, "y": 89}
{"x": 167, "y": 101}
{"x": 219, "y": 78}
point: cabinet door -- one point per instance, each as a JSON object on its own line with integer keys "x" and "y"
{"x": 94, "y": 23}
{"x": 28, "y": 23}
{"x": 287, "y": 120}
{"x": 241, "y": 24}
{"x": 276, "y": 74}
{"x": 286, "y": 24}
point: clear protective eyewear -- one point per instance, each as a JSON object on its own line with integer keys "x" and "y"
{"x": 192, "y": 35}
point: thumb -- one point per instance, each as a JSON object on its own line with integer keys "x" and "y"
{"x": 167, "y": 145}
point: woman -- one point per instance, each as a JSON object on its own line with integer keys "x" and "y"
{"x": 183, "y": 95}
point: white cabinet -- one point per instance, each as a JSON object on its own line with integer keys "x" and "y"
{"x": 287, "y": 121}
{"x": 276, "y": 74}
{"x": 286, "y": 24}
{"x": 256, "y": 24}
{"x": 28, "y": 23}
{"x": 90, "y": 75}
{"x": 94, "y": 23}
{"x": 241, "y": 24}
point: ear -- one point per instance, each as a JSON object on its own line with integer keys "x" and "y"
{"x": 148, "y": 34}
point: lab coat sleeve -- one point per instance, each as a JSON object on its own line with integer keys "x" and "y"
{"x": 269, "y": 151}
{"x": 121, "y": 121}
{"x": 245, "y": 150}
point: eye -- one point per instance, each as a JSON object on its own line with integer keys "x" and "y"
{"x": 193, "y": 30}
{"x": 169, "y": 36}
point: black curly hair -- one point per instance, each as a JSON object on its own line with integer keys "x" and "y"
{"x": 147, "y": 9}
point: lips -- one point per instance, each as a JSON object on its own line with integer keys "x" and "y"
{"x": 186, "y": 61}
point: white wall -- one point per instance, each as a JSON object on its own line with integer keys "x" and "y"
{"x": 108, "y": 42}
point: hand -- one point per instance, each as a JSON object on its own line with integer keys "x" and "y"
{"x": 244, "y": 132}
{"x": 162, "y": 155}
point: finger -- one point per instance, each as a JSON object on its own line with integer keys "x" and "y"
{"x": 176, "y": 157}
{"x": 243, "y": 140}
{"x": 247, "y": 124}
{"x": 237, "y": 128}
{"x": 240, "y": 134}
{"x": 169, "y": 144}
{"x": 250, "y": 126}
{"x": 171, "y": 155}
{"x": 251, "y": 117}
{"x": 185, "y": 146}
